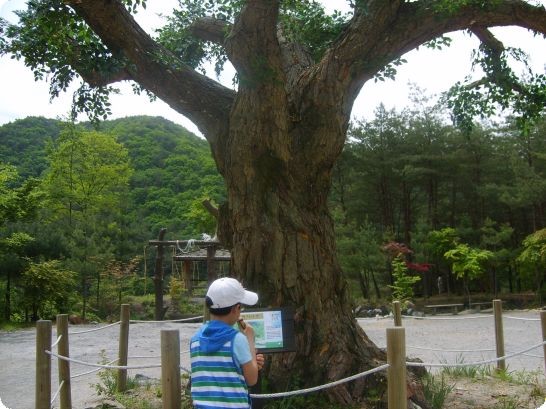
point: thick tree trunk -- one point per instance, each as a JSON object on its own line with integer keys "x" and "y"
{"x": 283, "y": 244}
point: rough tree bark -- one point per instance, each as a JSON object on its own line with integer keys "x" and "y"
{"x": 275, "y": 142}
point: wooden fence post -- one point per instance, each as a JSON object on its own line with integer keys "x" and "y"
{"x": 170, "y": 369}
{"x": 65, "y": 396}
{"x": 43, "y": 365}
{"x": 499, "y": 334}
{"x": 397, "y": 311}
{"x": 396, "y": 372}
{"x": 543, "y": 324}
{"x": 123, "y": 347}
{"x": 158, "y": 276}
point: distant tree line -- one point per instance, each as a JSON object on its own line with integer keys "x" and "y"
{"x": 470, "y": 206}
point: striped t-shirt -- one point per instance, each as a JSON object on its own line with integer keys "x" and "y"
{"x": 216, "y": 380}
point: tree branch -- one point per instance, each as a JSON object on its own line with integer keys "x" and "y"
{"x": 204, "y": 101}
{"x": 498, "y": 74}
{"x": 210, "y": 29}
{"x": 213, "y": 210}
{"x": 487, "y": 38}
{"x": 253, "y": 46}
{"x": 381, "y": 32}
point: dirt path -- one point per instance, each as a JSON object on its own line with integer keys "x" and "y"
{"x": 17, "y": 350}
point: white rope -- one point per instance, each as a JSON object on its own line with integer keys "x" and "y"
{"x": 56, "y": 342}
{"x": 452, "y": 350}
{"x": 94, "y": 329}
{"x": 188, "y": 248}
{"x": 56, "y": 393}
{"x": 533, "y": 356}
{"x": 445, "y": 350}
{"x": 77, "y": 361}
{"x": 521, "y": 319}
{"x": 158, "y": 322}
{"x": 317, "y": 388}
{"x": 447, "y": 318}
{"x": 487, "y": 361}
{"x": 92, "y": 370}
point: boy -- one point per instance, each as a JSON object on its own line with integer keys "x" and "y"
{"x": 223, "y": 360}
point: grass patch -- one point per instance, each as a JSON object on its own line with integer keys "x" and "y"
{"x": 436, "y": 390}
{"x": 463, "y": 371}
{"x": 14, "y": 326}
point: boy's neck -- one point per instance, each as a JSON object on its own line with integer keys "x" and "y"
{"x": 227, "y": 319}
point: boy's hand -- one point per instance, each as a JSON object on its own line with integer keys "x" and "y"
{"x": 246, "y": 329}
{"x": 260, "y": 360}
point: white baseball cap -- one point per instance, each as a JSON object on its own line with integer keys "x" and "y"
{"x": 226, "y": 292}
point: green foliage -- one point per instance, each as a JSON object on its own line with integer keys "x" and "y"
{"x": 109, "y": 191}
{"x": 17, "y": 202}
{"x": 441, "y": 241}
{"x": 23, "y": 144}
{"x": 533, "y": 260}
{"x": 389, "y": 71}
{"x": 88, "y": 173}
{"x": 307, "y": 23}
{"x": 464, "y": 371}
{"x": 402, "y": 289}
{"x": 468, "y": 262}
{"x": 45, "y": 284}
{"x": 436, "y": 390}
{"x": 534, "y": 250}
{"x": 499, "y": 90}
{"x": 176, "y": 286}
{"x": 449, "y": 7}
{"x": 422, "y": 182}
{"x": 359, "y": 253}
{"x": 45, "y": 37}
{"x": 108, "y": 384}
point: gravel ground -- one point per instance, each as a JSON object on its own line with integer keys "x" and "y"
{"x": 17, "y": 349}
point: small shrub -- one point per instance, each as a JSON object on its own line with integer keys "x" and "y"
{"x": 108, "y": 384}
{"x": 436, "y": 390}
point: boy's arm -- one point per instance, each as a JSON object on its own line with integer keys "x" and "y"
{"x": 250, "y": 369}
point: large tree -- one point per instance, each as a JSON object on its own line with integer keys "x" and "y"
{"x": 276, "y": 138}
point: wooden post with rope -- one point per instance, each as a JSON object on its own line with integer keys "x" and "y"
{"x": 65, "y": 396}
{"x": 396, "y": 372}
{"x": 499, "y": 334}
{"x": 123, "y": 347}
{"x": 158, "y": 277}
{"x": 170, "y": 369}
{"x": 43, "y": 365}
{"x": 397, "y": 312}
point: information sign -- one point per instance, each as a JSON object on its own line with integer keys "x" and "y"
{"x": 273, "y": 328}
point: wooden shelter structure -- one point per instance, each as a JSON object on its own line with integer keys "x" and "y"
{"x": 210, "y": 251}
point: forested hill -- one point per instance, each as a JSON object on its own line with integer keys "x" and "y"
{"x": 23, "y": 143}
{"x": 149, "y": 140}
{"x": 173, "y": 168}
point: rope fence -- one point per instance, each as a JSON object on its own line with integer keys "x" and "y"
{"x": 170, "y": 359}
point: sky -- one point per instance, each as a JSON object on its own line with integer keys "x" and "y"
{"x": 431, "y": 70}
